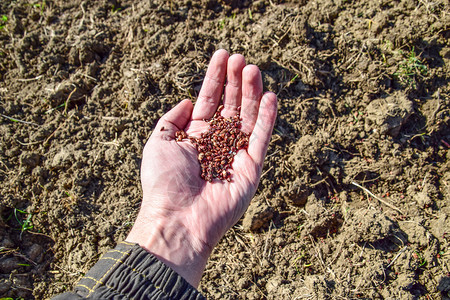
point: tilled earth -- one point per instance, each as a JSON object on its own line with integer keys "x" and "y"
{"x": 354, "y": 197}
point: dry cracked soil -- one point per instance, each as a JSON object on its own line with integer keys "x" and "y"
{"x": 354, "y": 200}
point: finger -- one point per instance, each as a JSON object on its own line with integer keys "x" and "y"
{"x": 212, "y": 88}
{"x": 262, "y": 131}
{"x": 175, "y": 119}
{"x": 252, "y": 88}
{"x": 233, "y": 89}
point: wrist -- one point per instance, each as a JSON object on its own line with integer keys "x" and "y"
{"x": 172, "y": 243}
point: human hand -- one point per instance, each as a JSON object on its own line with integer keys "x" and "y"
{"x": 182, "y": 216}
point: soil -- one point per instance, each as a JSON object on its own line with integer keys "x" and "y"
{"x": 354, "y": 200}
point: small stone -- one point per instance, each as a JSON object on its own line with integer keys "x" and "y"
{"x": 258, "y": 214}
{"x": 423, "y": 199}
{"x": 4, "y": 287}
{"x": 35, "y": 253}
{"x": 387, "y": 115}
{"x": 7, "y": 265}
{"x": 273, "y": 284}
{"x": 30, "y": 160}
{"x": 444, "y": 285}
{"x": 61, "y": 159}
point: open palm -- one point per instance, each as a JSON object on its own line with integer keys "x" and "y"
{"x": 179, "y": 206}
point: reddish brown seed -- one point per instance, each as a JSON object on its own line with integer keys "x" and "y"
{"x": 218, "y": 145}
{"x": 180, "y": 134}
{"x": 239, "y": 144}
{"x": 242, "y": 143}
{"x": 200, "y": 157}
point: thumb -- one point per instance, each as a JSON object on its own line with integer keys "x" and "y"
{"x": 176, "y": 118}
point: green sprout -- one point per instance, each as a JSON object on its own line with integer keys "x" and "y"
{"x": 115, "y": 9}
{"x": 296, "y": 262}
{"x": 422, "y": 260}
{"x": 299, "y": 230}
{"x": 3, "y": 21}
{"x": 250, "y": 15}
{"x": 11, "y": 119}
{"x": 356, "y": 115}
{"x": 222, "y": 24}
{"x": 40, "y": 6}
{"x": 25, "y": 224}
{"x": 55, "y": 108}
{"x": 410, "y": 69}
{"x": 128, "y": 224}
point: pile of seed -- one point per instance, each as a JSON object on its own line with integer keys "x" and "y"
{"x": 218, "y": 146}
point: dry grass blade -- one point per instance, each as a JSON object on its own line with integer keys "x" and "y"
{"x": 396, "y": 257}
{"x": 30, "y": 79}
{"x": 376, "y": 197}
{"x": 68, "y": 99}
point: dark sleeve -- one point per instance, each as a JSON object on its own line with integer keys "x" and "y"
{"x": 130, "y": 272}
